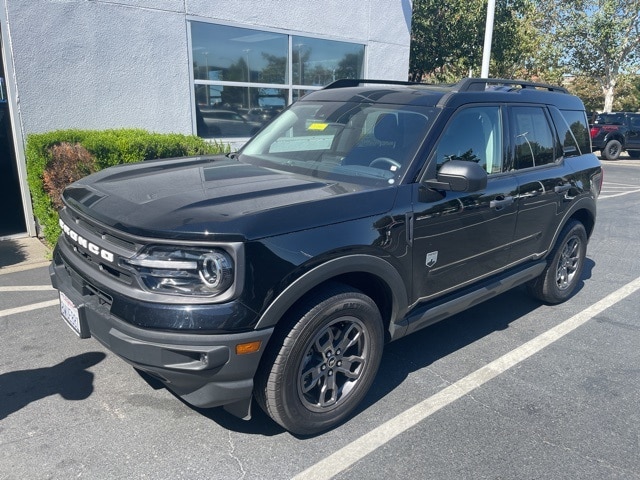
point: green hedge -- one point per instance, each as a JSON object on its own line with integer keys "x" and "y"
{"x": 108, "y": 147}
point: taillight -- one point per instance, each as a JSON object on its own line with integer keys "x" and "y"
{"x": 594, "y": 131}
{"x": 597, "y": 181}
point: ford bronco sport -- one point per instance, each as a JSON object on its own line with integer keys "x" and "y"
{"x": 364, "y": 212}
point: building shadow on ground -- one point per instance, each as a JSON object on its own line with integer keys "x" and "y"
{"x": 11, "y": 253}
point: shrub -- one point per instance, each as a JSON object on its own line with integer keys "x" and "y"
{"x": 69, "y": 162}
{"x": 58, "y": 158}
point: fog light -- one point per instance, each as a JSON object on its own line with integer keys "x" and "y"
{"x": 250, "y": 347}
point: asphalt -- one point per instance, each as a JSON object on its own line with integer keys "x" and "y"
{"x": 17, "y": 254}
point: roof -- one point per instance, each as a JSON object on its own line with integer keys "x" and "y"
{"x": 468, "y": 90}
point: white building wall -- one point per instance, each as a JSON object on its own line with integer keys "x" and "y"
{"x": 95, "y": 64}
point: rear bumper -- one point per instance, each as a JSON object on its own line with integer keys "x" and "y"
{"x": 202, "y": 369}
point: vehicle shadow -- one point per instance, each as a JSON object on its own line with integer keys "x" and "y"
{"x": 69, "y": 378}
{"x": 415, "y": 352}
{"x": 437, "y": 341}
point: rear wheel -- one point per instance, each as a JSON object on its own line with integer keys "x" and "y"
{"x": 322, "y": 361}
{"x": 559, "y": 279}
{"x": 612, "y": 150}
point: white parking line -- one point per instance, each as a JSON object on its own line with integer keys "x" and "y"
{"x": 26, "y": 288}
{"x": 350, "y": 454}
{"x": 604, "y": 196}
{"x": 28, "y": 308}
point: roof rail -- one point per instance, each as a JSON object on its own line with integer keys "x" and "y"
{"x": 354, "y": 82}
{"x": 481, "y": 84}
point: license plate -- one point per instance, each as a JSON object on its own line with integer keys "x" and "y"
{"x": 70, "y": 314}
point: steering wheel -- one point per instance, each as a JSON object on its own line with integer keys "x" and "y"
{"x": 385, "y": 163}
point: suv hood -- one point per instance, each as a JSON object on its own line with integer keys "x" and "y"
{"x": 216, "y": 198}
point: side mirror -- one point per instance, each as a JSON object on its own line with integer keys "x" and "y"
{"x": 459, "y": 176}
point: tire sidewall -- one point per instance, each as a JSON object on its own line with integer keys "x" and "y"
{"x": 295, "y": 347}
{"x": 551, "y": 290}
{"x": 612, "y": 145}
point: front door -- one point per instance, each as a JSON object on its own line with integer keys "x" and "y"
{"x": 633, "y": 137}
{"x": 461, "y": 237}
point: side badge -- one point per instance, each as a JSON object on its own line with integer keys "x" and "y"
{"x": 432, "y": 258}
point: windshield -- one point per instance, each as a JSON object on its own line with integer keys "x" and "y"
{"x": 355, "y": 142}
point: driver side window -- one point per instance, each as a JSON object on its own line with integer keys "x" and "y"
{"x": 474, "y": 135}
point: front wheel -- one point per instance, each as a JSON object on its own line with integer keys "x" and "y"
{"x": 559, "y": 279}
{"x": 321, "y": 361}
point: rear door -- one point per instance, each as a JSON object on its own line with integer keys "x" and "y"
{"x": 544, "y": 180}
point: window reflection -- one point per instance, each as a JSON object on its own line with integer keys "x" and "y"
{"x": 223, "y": 111}
{"x": 320, "y": 62}
{"x": 238, "y": 54}
{"x": 225, "y": 56}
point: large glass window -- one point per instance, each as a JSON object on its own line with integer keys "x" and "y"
{"x": 254, "y": 74}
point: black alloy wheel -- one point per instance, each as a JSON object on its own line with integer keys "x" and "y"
{"x": 560, "y": 278}
{"x": 321, "y": 361}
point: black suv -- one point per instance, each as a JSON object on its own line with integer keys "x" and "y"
{"x": 364, "y": 212}
{"x": 612, "y": 133}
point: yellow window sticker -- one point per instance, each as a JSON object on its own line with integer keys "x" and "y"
{"x": 318, "y": 126}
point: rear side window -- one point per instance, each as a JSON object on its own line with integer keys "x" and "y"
{"x": 577, "y": 121}
{"x": 567, "y": 139}
{"x": 532, "y": 137}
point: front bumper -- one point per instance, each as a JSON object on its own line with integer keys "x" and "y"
{"x": 202, "y": 369}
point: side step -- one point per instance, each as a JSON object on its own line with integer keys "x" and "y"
{"x": 432, "y": 313}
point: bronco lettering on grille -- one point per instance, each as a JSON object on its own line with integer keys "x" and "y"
{"x": 86, "y": 244}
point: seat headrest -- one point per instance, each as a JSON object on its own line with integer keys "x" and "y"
{"x": 386, "y": 129}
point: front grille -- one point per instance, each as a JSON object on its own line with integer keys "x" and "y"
{"x": 102, "y": 232}
{"x": 103, "y": 298}
{"x": 98, "y": 246}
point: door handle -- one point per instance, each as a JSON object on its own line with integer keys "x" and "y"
{"x": 500, "y": 202}
{"x": 562, "y": 188}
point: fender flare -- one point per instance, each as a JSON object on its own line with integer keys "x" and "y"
{"x": 613, "y": 136}
{"x": 588, "y": 204}
{"x": 350, "y": 264}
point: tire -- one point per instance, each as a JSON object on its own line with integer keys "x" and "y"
{"x": 634, "y": 153}
{"x": 321, "y": 363}
{"x": 560, "y": 278}
{"x": 612, "y": 150}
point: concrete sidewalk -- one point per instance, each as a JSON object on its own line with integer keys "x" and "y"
{"x": 18, "y": 254}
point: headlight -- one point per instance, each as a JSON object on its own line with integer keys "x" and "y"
{"x": 184, "y": 271}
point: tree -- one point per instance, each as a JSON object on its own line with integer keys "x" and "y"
{"x": 601, "y": 39}
{"x": 447, "y": 38}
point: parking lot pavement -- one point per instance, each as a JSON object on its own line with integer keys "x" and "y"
{"x": 508, "y": 389}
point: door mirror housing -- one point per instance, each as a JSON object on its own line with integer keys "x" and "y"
{"x": 459, "y": 176}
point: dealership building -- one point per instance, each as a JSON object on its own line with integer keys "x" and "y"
{"x": 213, "y": 68}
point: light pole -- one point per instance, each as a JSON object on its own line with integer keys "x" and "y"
{"x": 488, "y": 35}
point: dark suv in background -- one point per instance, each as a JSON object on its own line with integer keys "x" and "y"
{"x": 613, "y": 133}
{"x": 364, "y": 212}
